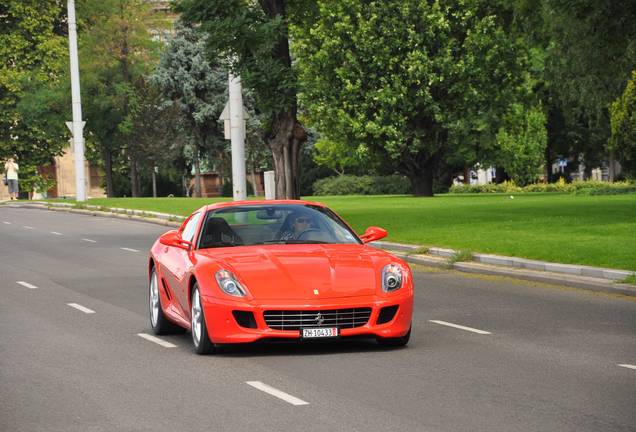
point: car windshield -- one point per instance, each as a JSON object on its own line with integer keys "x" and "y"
{"x": 273, "y": 224}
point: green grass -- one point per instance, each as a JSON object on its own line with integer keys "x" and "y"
{"x": 590, "y": 230}
{"x": 460, "y": 256}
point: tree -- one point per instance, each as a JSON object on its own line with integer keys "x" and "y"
{"x": 338, "y": 156}
{"x": 522, "y": 143}
{"x": 116, "y": 52}
{"x": 590, "y": 55}
{"x": 33, "y": 53}
{"x": 254, "y": 37}
{"x": 154, "y": 131}
{"x": 198, "y": 87}
{"x": 623, "y": 122}
{"x": 417, "y": 82}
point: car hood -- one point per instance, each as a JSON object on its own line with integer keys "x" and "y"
{"x": 306, "y": 272}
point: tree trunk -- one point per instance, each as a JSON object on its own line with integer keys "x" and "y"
{"x": 134, "y": 178}
{"x": 285, "y": 145}
{"x": 107, "y": 158}
{"x": 466, "y": 175}
{"x": 197, "y": 176}
{"x": 287, "y": 134}
{"x": 422, "y": 179}
{"x": 611, "y": 167}
{"x": 154, "y": 183}
{"x": 253, "y": 175}
{"x": 548, "y": 163}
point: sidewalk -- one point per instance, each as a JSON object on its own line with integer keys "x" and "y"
{"x": 585, "y": 277}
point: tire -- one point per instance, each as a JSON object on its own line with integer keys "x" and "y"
{"x": 395, "y": 342}
{"x": 158, "y": 321}
{"x": 200, "y": 338}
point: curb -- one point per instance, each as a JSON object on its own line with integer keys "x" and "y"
{"x": 582, "y": 282}
{"x": 586, "y": 277}
{"x": 519, "y": 263}
{"x": 117, "y": 213}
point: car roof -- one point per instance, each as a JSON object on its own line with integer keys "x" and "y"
{"x": 258, "y": 202}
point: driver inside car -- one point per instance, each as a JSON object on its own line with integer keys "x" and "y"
{"x": 298, "y": 224}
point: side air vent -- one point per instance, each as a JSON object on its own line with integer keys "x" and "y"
{"x": 387, "y": 313}
{"x": 165, "y": 288}
{"x": 244, "y": 319}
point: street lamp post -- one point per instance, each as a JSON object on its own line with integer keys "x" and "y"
{"x": 77, "y": 125}
{"x": 237, "y": 132}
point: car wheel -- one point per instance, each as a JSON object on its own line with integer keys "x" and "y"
{"x": 200, "y": 338}
{"x": 158, "y": 321}
{"x": 395, "y": 342}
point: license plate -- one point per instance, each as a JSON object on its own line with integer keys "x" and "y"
{"x": 312, "y": 333}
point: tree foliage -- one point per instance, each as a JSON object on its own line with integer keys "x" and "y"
{"x": 413, "y": 80}
{"x": 591, "y": 52}
{"x": 623, "y": 118}
{"x": 338, "y": 156}
{"x": 521, "y": 143}
{"x": 253, "y": 36}
{"x": 198, "y": 88}
{"x": 116, "y": 52}
{"x": 33, "y": 54}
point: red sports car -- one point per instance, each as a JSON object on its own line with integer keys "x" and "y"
{"x": 239, "y": 272}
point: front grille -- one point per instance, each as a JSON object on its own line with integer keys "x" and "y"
{"x": 295, "y": 319}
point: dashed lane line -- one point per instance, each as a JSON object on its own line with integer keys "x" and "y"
{"x": 89, "y": 240}
{"x": 6, "y": 222}
{"x": 277, "y": 393}
{"x": 156, "y": 340}
{"x": 628, "y": 366}
{"x": 81, "y": 308}
{"x": 27, "y": 227}
{"x": 56, "y": 233}
{"x": 129, "y": 249}
{"x": 461, "y": 327}
{"x": 26, "y": 285}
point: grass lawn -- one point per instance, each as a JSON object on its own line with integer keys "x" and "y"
{"x": 591, "y": 230}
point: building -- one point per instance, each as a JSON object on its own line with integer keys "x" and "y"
{"x": 62, "y": 171}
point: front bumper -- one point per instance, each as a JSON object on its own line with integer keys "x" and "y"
{"x": 223, "y": 328}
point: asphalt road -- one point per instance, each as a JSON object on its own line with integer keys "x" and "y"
{"x": 543, "y": 359}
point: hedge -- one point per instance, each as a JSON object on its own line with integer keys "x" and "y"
{"x": 588, "y": 187}
{"x": 362, "y": 185}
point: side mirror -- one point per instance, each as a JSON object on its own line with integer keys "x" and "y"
{"x": 172, "y": 238}
{"x": 373, "y": 234}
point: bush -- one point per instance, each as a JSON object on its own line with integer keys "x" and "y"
{"x": 578, "y": 187}
{"x": 362, "y": 185}
{"x": 505, "y": 187}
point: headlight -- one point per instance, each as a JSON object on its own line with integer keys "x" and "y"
{"x": 228, "y": 283}
{"x": 391, "y": 277}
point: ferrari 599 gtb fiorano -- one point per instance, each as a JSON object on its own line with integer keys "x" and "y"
{"x": 239, "y": 272}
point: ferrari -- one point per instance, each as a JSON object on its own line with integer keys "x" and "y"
{"x": 246, "y": 271}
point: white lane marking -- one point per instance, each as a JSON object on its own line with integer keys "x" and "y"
{"x": 90, "y": 241}
{"x": 628, "y": 366}
{"x": 129, "y": 249}
{"x": 156, "y": 340}
{"x": 26, "y": 284}
{"x": 27, "y": 227}
{"x": 461, "y": 327}
{"x": 56, "y": 233}
{"x": 6, "y": 222}
{"x": 81, "y": 308}
{"x": 277, "y": 393}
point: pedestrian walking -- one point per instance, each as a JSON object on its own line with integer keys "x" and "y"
{"x": 11, "y": 171}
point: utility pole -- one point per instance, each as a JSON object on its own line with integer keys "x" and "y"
{"x": 78, "y": 124}
{"x": 234, "y": 116}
